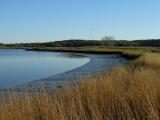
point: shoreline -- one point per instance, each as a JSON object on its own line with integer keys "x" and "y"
{"x": 97, "y": 65}
{"x": 124, "y": 54}
{"x": 117, "y": 57}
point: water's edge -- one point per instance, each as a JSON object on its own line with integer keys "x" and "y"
{"x": 97, "y": 64}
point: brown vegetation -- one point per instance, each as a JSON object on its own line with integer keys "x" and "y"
{"x": 131, "y": 92}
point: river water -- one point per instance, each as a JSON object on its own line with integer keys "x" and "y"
{"x": 18, "y": 66}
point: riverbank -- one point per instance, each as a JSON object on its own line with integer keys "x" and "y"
{"x": 127, "y": 53}
{"x": 97, "y": 65}
{"x": 100, "y": 60}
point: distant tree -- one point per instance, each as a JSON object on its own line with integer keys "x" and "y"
{"x": 108, "y": 38}
{"x": 108, "y": 41}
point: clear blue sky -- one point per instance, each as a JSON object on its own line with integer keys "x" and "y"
{"x": 50, "y": 20}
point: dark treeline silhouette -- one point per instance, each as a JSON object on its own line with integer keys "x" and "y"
{"x": 82, "y": 43}
{"x": 152, "y": 43}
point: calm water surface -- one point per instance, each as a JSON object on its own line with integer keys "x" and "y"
{"x": 20, "y": 66}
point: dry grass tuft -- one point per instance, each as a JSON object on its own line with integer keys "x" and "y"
{"x": 152, "y": 59}
{"x": 130, "y": 92}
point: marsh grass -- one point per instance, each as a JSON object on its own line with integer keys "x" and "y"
{"x": 130, "y": 92}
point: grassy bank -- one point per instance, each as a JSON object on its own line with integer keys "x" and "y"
{"x": 130, "y": 92}
{"x": 128, "y": 53}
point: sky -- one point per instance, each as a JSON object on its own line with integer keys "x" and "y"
{"x": 52, "y": 20}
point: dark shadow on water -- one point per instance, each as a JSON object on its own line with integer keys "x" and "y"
{"x": 71, "y": 55}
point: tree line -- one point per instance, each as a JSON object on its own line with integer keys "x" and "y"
{"x": 83, "y": 43}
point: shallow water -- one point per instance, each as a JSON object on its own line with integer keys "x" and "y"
{"x": 19, "y": 66}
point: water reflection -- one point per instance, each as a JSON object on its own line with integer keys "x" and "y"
{"x": 71, "y": 55}
{"x": 20, "y": 66}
